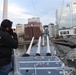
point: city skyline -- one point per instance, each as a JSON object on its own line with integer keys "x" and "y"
{"x": 19, "y": 10}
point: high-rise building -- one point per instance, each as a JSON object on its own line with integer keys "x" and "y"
{"x": 20, "y": 29}
{"x": 51, "y": 30}
{"x": 65, "y": 17}
{"x": 20, "y": 33}
{"x": 33, "y": 28}
{"x": 56, "y": 30}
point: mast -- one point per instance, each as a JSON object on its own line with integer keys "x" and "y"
{"x": 5, "y": 9}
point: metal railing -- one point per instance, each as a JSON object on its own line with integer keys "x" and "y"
{"x": 16, "y": 64}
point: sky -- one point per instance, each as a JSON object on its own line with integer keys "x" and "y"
{"x": 20, "y": 10}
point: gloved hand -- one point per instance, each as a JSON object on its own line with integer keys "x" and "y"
{"x": 14, "y": 30}
{"x": 10, "y": 32}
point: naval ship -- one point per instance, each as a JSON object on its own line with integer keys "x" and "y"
{"x": 40, "y": 59}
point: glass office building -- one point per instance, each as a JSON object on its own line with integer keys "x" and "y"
{"x": 66, "y": 16}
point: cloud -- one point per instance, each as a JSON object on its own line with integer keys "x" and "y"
{"x": 47, "y": 19}
{"x": 19, "y": 14}
{"x": 16, "y": 11}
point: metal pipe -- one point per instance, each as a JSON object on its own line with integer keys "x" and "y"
{"x": 38, "y": 49}
{"x": 48, "y": 47}
{"x": 29, "y": 48}
{"x": 43, "y": 41}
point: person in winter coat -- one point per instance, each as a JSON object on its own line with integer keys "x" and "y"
{"x": 8, "y": 42}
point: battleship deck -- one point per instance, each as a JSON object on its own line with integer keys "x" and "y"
{"x": 40, "y": 59}
{"x": 40, "y": 65}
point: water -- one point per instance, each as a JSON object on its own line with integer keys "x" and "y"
{"x": 21, "y": 49}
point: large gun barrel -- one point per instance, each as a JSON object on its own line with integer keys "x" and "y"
{"x": 48, "y": 47}
{"x": 29, "y": 48}
{"x": 38, "y": 49}
{"x": 42, "y": 41}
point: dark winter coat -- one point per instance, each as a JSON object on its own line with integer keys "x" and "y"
{"x": 7, "y": 44}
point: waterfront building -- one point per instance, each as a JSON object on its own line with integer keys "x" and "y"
{"x": 33, "y": 28}
{"x": 20, "y": 33}
{"x": 53, "y": 30}
{"x": 20, "y": 29}
{"x": 67, "y": 31}
{"x": 56, "y": 30}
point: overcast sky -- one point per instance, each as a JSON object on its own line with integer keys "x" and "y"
{"x": 20, "y": 10}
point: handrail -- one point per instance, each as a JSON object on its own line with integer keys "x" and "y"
{"x": 16, "y": 64}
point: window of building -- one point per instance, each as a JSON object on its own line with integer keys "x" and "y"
{"x": 67, "y": 32}
{"x": 64, "y": 32}
{"x": 74, "y": 31}
{"x": 61, "y": 33}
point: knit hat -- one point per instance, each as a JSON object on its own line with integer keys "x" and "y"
{"x": 6, "y": 23}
